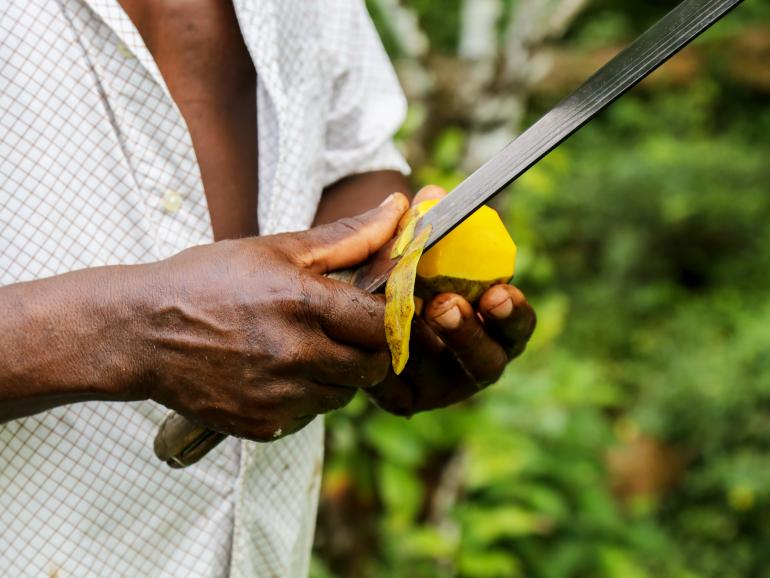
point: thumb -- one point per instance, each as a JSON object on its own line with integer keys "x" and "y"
{"x": 349, "y": 241}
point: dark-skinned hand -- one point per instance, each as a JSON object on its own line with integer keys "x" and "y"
{"x": 254, "y": 341}
{"x": 456, "y": 350}
{"x": 248, "y": 337}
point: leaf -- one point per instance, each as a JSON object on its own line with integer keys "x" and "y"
{"x": 489, "y": 564}
{"x": 427, "y": 542}
{"x": 402, "y": 493}
{"x": 489, "y": 525}
{"x": 618, "y": 562}
{"x": 394, "y": 442}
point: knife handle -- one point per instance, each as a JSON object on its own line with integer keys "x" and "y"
{"x": 181, "y": 442}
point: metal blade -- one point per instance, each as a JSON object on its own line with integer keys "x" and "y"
{"x": 659, "y": 43}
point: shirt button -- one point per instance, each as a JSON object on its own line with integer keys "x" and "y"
{"x": 172, "y": 200}
{"x": 124, "y": 50}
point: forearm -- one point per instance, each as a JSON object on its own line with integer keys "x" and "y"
{"x": 67, "y": 339}
{"x": 358, "y": 193}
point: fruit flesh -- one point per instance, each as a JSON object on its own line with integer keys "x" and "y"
{"x": 477, "y": 254}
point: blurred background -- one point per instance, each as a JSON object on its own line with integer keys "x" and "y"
{"x": 632, "y": 439}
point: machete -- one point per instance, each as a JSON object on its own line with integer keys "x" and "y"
{"x": 180, "y": 442}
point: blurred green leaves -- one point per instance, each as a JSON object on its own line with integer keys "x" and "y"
{"x": 644, "y": 246}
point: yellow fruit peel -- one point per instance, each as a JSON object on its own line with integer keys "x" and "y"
{"x": 399, "y": 297}
{"x": 405, "y": 236}
{"x": 407, "y": 226}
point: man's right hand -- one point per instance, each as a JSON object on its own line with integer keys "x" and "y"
{"x": 247, "y": 337}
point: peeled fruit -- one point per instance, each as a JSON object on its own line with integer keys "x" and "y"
{"x": 474, "y": 256}
{"x": 477, "y": 254}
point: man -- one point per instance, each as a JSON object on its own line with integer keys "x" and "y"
{"x": 134, "y": 134}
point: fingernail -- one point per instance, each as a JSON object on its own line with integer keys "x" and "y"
{"x": 389, "y": 199}
{"x": 450, "y": 319}
{"x": 502, "y": 310}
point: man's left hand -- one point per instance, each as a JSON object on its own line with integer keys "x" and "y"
{"x": 456, "y": 350}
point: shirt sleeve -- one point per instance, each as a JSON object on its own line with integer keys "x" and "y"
{"x": 367, "y": 104}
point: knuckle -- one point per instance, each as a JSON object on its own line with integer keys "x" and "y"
{"x": 296, "y": 247}
{"x": 474, "y": 333}
{"x": 250, "y": 373}
{"x": 356, "y": 226}
{"x": 308, "y": 300}
{"x": 352, "y": 224}
{"x": 296, "y": 356}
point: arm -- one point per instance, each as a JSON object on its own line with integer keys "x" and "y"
{"x": 244, "y": 336}
{"x": 358, "y": 193}
{"x": 67, "y": 339}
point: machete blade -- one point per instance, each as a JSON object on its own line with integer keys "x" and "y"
{"x": 659, "y": 43}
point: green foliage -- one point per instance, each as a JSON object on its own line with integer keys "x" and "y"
{"x": 661, "y": 248}
{"x": 644, "y": 246}
{"x": 440, "y": 21}
{"x": 442, "y": 170}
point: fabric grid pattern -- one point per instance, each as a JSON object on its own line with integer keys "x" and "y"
{"x": 96, "y": 168}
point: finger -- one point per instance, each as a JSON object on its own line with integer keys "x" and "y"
{"x": 508, "y": 317}
{"x": 349, "y": 315}
{"x": 339, "y": 365}
{"x": 433, "y": 378}
{"x": 346, "y": 242}
{"x": 428, "y": 193}
{"x": 455, "y": 321}
{"x": 328, "y": 398}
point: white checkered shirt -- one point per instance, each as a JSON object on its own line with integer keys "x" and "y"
{"x": 97, "y": 167}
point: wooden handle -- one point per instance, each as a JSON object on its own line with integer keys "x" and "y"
{"x": 180, "y": 442}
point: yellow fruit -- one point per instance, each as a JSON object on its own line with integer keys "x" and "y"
{"x": 477, "y": 254}
{"x": 470, "y": 259}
